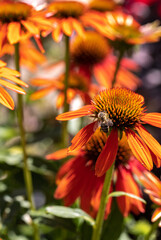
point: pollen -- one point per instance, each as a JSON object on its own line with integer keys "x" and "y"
{"x": 65, "y": 9}
{"x": 91, "y": 49}
{"x": 125, "y": 108}
{"x": 14, "y": 12}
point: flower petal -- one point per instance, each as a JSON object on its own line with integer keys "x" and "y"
{"x": 6, "y": 99}
{"x": 108, "y": 155}
{"x": 67, "y": 27}
{"x": 139, "y": 149}
{"x": 12, "y": 86}
{"x": 41, "y": 93}
{"x": 82, "y": 137}
{"x": 156, "y": 215}
{"x": 31, "y": 27}
{"x": 149, "y": 140}
{"x": 14, "y": 32}
{"x": 83, "y": 111}
{"x": 152, "y": 119}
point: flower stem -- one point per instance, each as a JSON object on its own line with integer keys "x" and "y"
{"x": 26, "y": 171}
{"x": 97, "y": 230}
{"x": 66, "y": 105}
{"x": 121, "y": 53}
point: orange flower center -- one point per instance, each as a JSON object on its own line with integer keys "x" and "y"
{"x": 97, "y": 142}
{"x": 14, "y": 11}
{"x": 76, "y": 81}
{"x": 65, "y": 9}
{"x": 91, "y": 49}
{"x": 123, "y": 107}
{"x": 103, "y": 5}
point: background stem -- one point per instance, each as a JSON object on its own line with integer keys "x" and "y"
{"x": 104, "y": 198}
{"x": 66, "y": 105}
{"x": 26, "y": 171}
{"x": 121, "y": 53}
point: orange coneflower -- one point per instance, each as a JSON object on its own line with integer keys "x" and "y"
{"x": 76, "y": 178}
{"x": 79, "y": 84}
{"x": 66, "y": 18}
{"x": 152, "y": 186}
{"x": 123, "y": 30}
{"x": 94, "y": 53}
{"x": 19, "y": 20}
{"x": 30, "y": 58}
{"x": 11, "y": 75}
{"x": 118, "y": 110}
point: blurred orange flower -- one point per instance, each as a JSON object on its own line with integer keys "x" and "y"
{"x": 19, "y": 20}
{"x": 65, "y": 18}
{"x": 30, "y": 58}
{"x": 152, "y": 186}
{"x": 93, "y": 52}
{"x": 76, "y": 178}
{"x": 79, "y": 84}
{"x": 123, "y": 30}
{"x": 11, "y": 75}
{"x": 118, "y": 110}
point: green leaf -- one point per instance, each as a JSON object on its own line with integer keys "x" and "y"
{"x": 120, "y": 193}
{"x": 66, "y": 212}
{"x": 113, "y": 226}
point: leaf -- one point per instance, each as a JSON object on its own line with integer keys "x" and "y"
{"x": 113, "y": 226}
{"x": 120, "y": 193}
{"x": 66, "y": 212}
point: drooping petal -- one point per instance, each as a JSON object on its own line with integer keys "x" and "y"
{"x": 139, "y": 149}
{"x": 149, "y": 140}
{"x": 156, "y": 215}
{"x": 57, "y": 155}
{"x": 67, "y": 27}
{"x": 41, "y": 93}
{"x": 57, "y": 34}
{"x": 78, "y": 27}
{"x": 31, "y": 27}
{"x": 152, "y": 119}
{"x": 12, "y": 86}
{"x": 6, "y": 99}
{"x": 82, "y": 137}
{"x": 108, "y": 155}
{"x": 83, "y": 111}
{"x": 14, "y": 32}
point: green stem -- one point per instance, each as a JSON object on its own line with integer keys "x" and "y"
{"x": 66, "y": 105}
{"x": 26, "y": 171}
{"x": 121, "y": 53}
{"x": 153, "y": 228}
{"x": 97, "y": 230}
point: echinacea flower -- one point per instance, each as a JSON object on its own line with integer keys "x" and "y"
{"x": 11, "y": 75}
{"x": 79, "y": 84}
{"x": 93, "y": 53}
{"x": 152, "y": 186}
{"x": 123, "y": 30}
{"x": 65, "y": 18}
{"x": 19, "y": 21}
{"x": 30, "y": 58}
{"x": 119, "y": 110}
{"x": 76, "y": 178}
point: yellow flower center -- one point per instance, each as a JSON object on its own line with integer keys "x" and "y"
{"x": 91, "y": 49}
{"x": 103, "y": 5}
{"x": 65, "y": 9}
{"x": 14, "y": 11}
{"x": 123, "y": 106}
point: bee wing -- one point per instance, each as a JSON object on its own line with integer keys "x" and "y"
{"x": 96, "y": 125}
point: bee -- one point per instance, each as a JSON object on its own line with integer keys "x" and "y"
{"x": 104, "y": 121}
